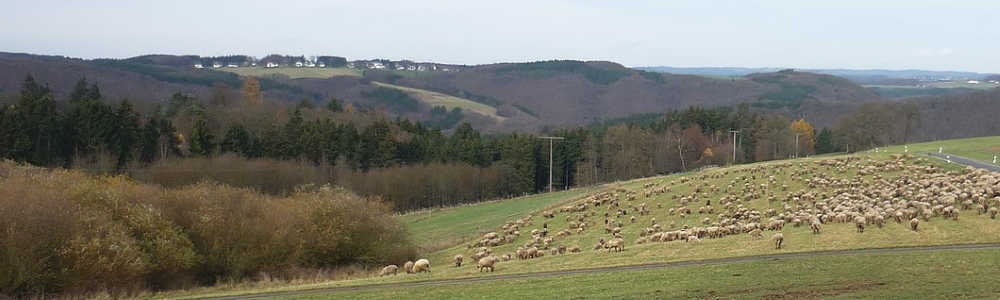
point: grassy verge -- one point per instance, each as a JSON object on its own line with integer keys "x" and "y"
{"x": 981, "y": 148}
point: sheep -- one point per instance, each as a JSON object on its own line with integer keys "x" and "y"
{"x": 616, "y": 244}
{"x": 574, "y": 248}
{"x": 693, "y": 239}
{"x": 859, "y": 222}
{"x": 993, "y": 212}
{"x": 505, "y": 257}
{"x": 778, "y": 239}
{"x": 756, "y": 234}
{"x": 458, "y": 260}
{"x": 815, "y": 227}
{"x": 487, "y": 262}
{"x": 422, "y": 265}
{"x": 913, "y": 224}
{"x": 388, "y": 269}
{"x": 408, "y": 267}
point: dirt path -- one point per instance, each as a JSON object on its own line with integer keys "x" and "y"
{"x": 778, "y": 256}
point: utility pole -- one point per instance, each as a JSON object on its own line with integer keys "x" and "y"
{"x": 734, "y": 132}
{"x": 797, "y": 134}
{"x": 551, "y": 138}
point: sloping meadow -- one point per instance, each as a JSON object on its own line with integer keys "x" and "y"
{"x": 66, "y": 233}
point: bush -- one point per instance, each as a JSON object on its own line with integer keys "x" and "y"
{"x": 67, "y": 233}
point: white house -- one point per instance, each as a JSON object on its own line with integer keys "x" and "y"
{"x": 232, "y": 65}
{"x": 271, "y": 65}
{"x": 298, "y": 64}
{"x": 322, "y": 65}
{"x": 377, "y": 65}
{"x": 973, "y": 82}
{"x": 198, "y": 66}
{"x": 216, "y": 65}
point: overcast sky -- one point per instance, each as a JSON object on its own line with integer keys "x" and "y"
{"x": 870, "y": 34}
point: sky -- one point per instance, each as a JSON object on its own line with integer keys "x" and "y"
{"x": 814, "y": 34}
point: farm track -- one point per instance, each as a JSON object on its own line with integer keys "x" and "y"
{"x": 965, "y": 161}
{"x": 779, "y": 256}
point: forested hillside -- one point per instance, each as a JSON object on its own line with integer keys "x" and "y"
{"x": 275, "y": 147}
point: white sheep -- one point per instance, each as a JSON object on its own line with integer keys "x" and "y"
{"x": 693, "y": 239}
{"x": 778, "y": 240}
{"x": 458, "y": 260}
{"x": 913, "y": 224}
{"x": 422, "y": 265}
{"x": 388, "y": 269}
{"x": 616, "y": 244}
{"x": 408, "y": 267}
{"x": 487, "y": 262}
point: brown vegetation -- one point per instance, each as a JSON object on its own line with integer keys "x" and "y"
{"x": 63, "y": 232}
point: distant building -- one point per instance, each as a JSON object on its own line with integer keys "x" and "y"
{"x": 322, "y": 65}
{"x": 298, "y": 64}
{"x": 271, "y": 65}
{"x": 216, "y": 65}
{"x": 198, "y": 66}
{"x": 973, "y": 82}
{"x": 232, "y": 65}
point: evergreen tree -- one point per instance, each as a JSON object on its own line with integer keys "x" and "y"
{"x": 126, "y": 133}
{"x": 824, "y": 142}
{"x": 202, "y": 140}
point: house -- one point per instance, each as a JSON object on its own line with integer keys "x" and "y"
{"x": 377, "y": 65}
{"x": 400, "y": 68}
{"x": 973, "y": 82}
{"x": 298, "y": 64}
{"x": 322, "y": 65}
{"x": 216, "y": 65}
{"x": 271, "y": 65}
{"x": 232, "y": 65}
{"x": 310, "y": 64}
{"x": 422, "y": 68}
{"x": 350, "y": 65}
{"x": 198, "y": 66}
{"x": 411, "y": 68}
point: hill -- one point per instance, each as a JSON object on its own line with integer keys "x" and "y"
{"x": 508, "y": 97}
{"x": 566, "y": 93}
{"x": 721, "y": 206}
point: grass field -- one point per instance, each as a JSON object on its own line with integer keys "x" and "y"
{"x": 445, "y": 232}
{"x": 294, "y": 72}
{"x": 981, "y": 149}
{"x": 452, "y": 225}
{"x": 449, "y": 102}
{"x": 937, "y": 275}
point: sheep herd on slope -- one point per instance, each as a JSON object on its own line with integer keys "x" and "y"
{"x": 861, "y": 191}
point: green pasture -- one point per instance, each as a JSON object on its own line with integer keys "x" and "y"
{"x": 445, "y": 232}
{"x": 931, "y": 275}
{"x": 449, "y": 102}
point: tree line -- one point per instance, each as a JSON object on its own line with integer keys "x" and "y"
{"x": 404, "y": 162}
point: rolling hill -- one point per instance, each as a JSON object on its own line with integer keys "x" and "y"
{"x": 505, "y": 97}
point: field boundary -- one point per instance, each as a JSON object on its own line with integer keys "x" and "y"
{"x": 652, "y": 266}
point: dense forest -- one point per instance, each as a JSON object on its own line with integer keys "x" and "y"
{"x": 276, "y": 147}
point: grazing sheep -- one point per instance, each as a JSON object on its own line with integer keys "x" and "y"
{"x": 913, "y": 224}
{"x": 756, "y": 234}
{"x": 487, "y": 262}
{"x": 408, "y": 267}
{"x": 388, "y": 269}
{"x": 574, "y": 248}
{"x": 859, "y": 222}
{"x": 693, "y": 239}
{"x": 616, "y": 244}
{"x": 778, "y": 239}
{"x": 815, "y": 227}
{"x": 993, "y": 212}
{"x": 422, "y": 265}
{"x": 458, "y": 260}
{"x": 505, "y": 257}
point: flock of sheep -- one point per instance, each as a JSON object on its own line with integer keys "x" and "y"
{"x": 848, "y": 190}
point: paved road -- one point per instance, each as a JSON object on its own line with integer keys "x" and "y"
{"x": 966, "y": 161}
{"x": 779, "y": 256}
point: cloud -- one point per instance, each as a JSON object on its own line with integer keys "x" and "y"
{"x": 930, "y": 52}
